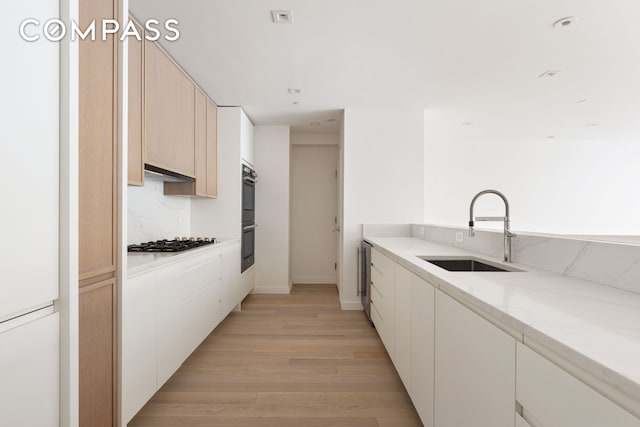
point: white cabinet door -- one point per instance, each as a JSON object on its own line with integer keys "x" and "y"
{"x": 554, "y": 398}
{"x": 246, "y": 139}
{"x": 422, "y": 348}
{"x": 200, "y": 278}
{"x": 383, "y": 284}
{"x": 139, "y": 344}
{"x": 29, "y": 374}
{"x": 29, "y": 160}
{"x": 402, "y": 333}
{"x": 234, "y": 285}
{"x": 169, "y": 351}
{"x": 475, "y": 369}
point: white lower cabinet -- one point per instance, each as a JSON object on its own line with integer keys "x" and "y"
{"x": 402, "y": 345}
{"x": 29, "y": 374}
{"x": 167, "y": 313}
{"x": 422, "y": 348}
{"x": 403, "y": 312}
{"x": 169, "y": 356}
{"x": 551, "y": 397}
{"x": 139, "y": 342}
{"x": 474, "y": 369}
{"x": 460, "y": 369}
{"x": 383, "y": 284}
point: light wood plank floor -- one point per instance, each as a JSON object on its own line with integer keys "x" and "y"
{"x": 286, "y": 360}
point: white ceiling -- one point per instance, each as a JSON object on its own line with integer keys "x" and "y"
{"x": 463, "y": 60}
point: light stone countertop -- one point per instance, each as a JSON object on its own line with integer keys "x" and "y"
{"x": 141, "y": 262}
{"x": 593, "y": 326}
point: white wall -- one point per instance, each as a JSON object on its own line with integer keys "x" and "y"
{"x": 313, "y": 208}
{"x": 221, "y": 217}
{"x": 383, "y": 180}
{"x": 553, "y": 185}
{"x": 153, "y": 216}
{"x": 272, "y": 209}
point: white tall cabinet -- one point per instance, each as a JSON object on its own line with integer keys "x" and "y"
{"x": 247, "y": 150}
{"x": 29, "y": 360}
{"x": 29, "y": 172}
{"x": 29, "y": 159}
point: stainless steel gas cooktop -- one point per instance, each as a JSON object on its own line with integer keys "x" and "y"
{"x": 178, "y": 244}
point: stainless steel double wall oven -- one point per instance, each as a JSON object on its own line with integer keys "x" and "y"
{"x": 249, "y": 179}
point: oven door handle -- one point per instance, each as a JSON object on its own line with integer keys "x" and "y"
{"x": 250, "y": 227}
{"x": 249, "y": 179}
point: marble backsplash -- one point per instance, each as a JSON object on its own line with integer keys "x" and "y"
{"x": 608, "y": 263}
{"x": 153, "y": 216}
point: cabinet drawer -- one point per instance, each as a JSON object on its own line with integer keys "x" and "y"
{"x": 377, "y": 281}
{"x": 198, "y": 274}
{"x": 376, "y": 318}
{"x": 376, "y": 299}
{"x": 554, "y": 398}
{"x": 384, "y": 265}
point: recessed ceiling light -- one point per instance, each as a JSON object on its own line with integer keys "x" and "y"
{"x": 332, "y": 120}
{"x": 294, "y": 91}
{"x": 549, "y": 73}
{"x": 549, "y": 137}
{"x": 296, "y": 102}
{"x": 592, "y": 125}
{"x": 315, "y": 123}
{"x": 565, "y": 22}
{"x": 582, "y": 101}
{"x": 281, "y": 16}
{"x": 466, "y": 124}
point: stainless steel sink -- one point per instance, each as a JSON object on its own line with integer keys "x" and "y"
{"x": 467, "y": 264}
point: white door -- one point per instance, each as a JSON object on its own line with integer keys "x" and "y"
{"x": 314, "y": 213}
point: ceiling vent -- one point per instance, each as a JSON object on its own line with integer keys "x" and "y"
{"x": 565, "y": 22}
{"x": 549, "y": 73}
{"x": 281, "y": 16}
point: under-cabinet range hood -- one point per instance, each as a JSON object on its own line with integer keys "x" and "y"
{"x": 165, "y": 175}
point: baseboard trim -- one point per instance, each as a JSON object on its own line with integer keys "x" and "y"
{"x": 314, "y": 280}
{"x": 351, "y": 305}
{"x": 278, "y": 291}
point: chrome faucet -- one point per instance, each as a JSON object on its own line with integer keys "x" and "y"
{"x": 505, "y": 219}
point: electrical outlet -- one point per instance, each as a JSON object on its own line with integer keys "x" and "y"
{"x": 459, "y": 237}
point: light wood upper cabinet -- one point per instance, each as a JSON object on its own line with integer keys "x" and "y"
{"x": 169, "y": 113}
{"x": 136, "y": 111}
{"x": 212, "y": 149}
{"x": 97, "y": 147}
{"x": 201, "y": 143}
{"x": 206, "y": 153}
